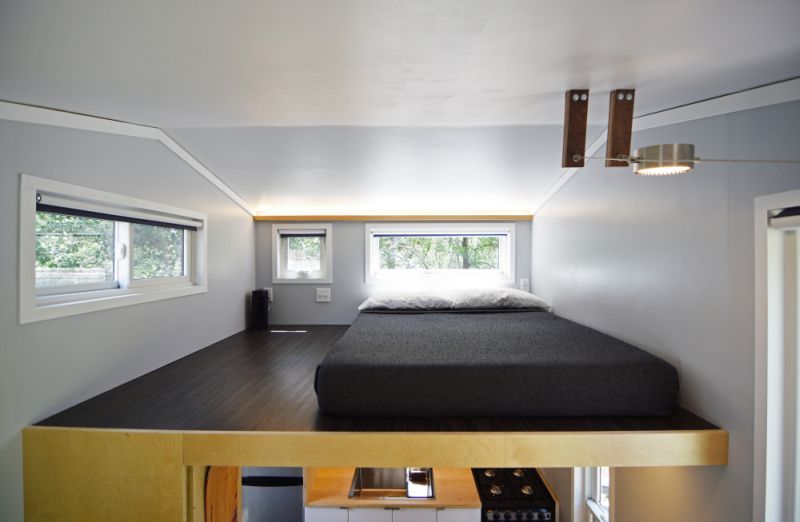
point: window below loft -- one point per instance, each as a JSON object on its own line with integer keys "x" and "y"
{"x": 463, "y": 252}
{"x": 84, "y": 250}
{"x": 598, "y": 494}
{"x": 302, "y": 253}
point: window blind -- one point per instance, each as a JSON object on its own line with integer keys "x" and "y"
{"x": 298, "y": 232}
{"x": 98, "y": 210}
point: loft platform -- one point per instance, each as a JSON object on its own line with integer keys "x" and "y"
{"x": 142, "y": 449}
{"x": 249, "y": 400}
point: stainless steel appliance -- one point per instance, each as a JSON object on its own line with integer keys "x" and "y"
{"x": 272, "y": 494}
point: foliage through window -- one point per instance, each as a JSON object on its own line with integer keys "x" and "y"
{"x": 301, "y": 253}
{"x": 83, "y": 250}
{"x": 304, "y": 254}
{"x": 441, "y": 250}
{"x": 73, "y": 250}
{"x": 78, "y": 253}
{"x": 158, "y": 251}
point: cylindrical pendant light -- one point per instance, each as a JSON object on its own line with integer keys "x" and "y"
{"x": 663, "y": 160}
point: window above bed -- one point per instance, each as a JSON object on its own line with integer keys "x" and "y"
{"x": 456, "y": 252}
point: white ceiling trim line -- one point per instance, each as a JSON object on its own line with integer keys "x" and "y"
{"x": 773, "y": 94}
{"x": 43, "y": 116}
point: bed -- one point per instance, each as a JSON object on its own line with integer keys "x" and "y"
{"x": 498, "y": 362}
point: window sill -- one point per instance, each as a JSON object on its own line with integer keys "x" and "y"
{"x": 597, "y": 513}
{"x": 52, "y": 307}
{"x": 302, "y": 280}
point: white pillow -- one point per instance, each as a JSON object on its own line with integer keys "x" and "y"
{"x": 407, "y": 301}
{"x": 491, "y": 298}
{"x": 470, "y": 299}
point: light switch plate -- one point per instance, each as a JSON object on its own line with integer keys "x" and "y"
{"x": 323, "y": 295}
{"x": 525, "y": 284}
{"x": 269, "y": 293}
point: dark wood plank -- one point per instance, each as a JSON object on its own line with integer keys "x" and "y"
{"x": 620, "y": 126}
{"x": 576, "y": 109}
{"x": 262, "y": 381}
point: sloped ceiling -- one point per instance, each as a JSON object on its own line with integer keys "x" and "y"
{"x": 217, "y": 74}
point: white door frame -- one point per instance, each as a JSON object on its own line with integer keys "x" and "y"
{"x": 768, "y": 393}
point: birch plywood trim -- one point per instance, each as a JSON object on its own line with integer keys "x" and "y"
{"x": 87, "y": 475}
{"x": 479, "y": 449}
{"x": 397, "y": 217}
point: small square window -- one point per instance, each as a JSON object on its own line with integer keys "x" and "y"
{"x": 301, "y": 253}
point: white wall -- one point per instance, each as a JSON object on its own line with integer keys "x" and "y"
{"x": 667, "y": 264}
{"x": 48, "y": 366}
{"x": 295, "y": 303}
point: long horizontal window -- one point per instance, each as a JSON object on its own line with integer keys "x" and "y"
{"x": 91, "y": 248}
{"x": 431, "y": 250}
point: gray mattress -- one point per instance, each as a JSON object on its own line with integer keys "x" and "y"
{"x": 477, "y": 364}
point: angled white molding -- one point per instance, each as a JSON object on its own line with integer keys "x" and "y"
{"x": 42, "y": 116}
{"x": 773, "y": 94}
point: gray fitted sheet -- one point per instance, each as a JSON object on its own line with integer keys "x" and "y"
{"x": 478, "y": 364}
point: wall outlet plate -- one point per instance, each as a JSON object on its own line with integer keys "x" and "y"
{"x": 323, "y": 295}
{"x": 525, "y": 284}
{"x": 269, "y": 293}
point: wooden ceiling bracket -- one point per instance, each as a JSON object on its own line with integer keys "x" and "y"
{"x": 576, "y": 106}
{"x": 620, "y": 127}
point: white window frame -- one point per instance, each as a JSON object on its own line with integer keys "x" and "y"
{"x": 78, "y": 299}
{"x": 505, "y": 276}
{"x": 326, "y": 274}
{"x": 774, "y": 450}
{"x": 589, "y": 490}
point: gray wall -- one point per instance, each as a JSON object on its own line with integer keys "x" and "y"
{"x": 295, "y": 303}
{"x": 667, "y": 264}
{"x": 50, "y": 365}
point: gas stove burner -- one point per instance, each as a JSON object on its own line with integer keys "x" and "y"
{"x": 513, "y": 494}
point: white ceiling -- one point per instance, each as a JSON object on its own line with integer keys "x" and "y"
{"x": 232, "y": 81}
{"x": 205, "y": 63}
{"x": 382, "y": 169}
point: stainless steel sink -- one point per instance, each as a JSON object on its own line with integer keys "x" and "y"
{"x": 392, "y": 483}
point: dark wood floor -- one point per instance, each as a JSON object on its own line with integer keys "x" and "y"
{"x": 261, "y": 381}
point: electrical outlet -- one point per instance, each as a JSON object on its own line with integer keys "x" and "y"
{"x": 525, "y": 284}
{"x": 269, "y": 293}
{"x": 323, "y": 295}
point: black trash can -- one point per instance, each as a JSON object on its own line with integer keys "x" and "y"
{"x": 259, "y": 308}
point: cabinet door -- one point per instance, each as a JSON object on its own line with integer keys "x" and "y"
{"x": 370, "y": 515}
{"x": 414, "y": 515}
{"x": 324, "y": 514}
{"x": 458, "y": 515}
